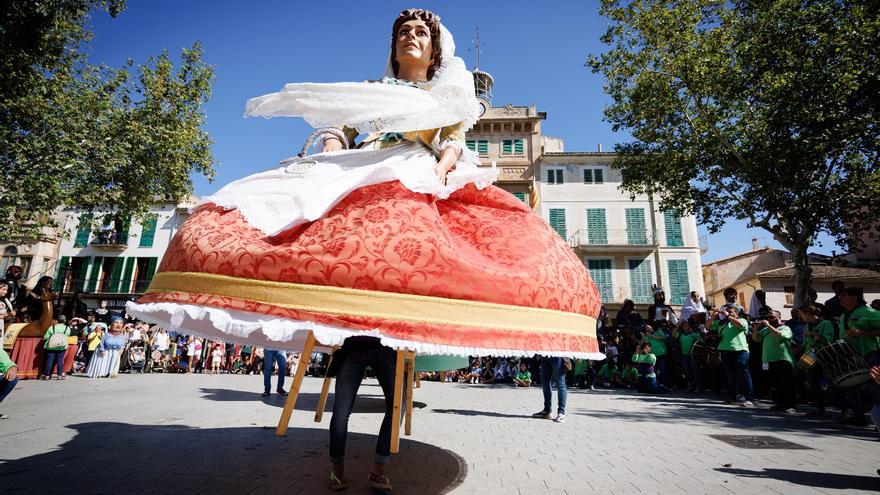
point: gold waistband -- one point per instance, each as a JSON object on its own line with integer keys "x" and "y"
{"x": 341, "y": 301}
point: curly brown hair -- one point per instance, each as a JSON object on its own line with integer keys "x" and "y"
{"x": 430, "y": 19}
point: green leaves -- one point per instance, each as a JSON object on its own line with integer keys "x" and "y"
{"x": 93, "y": 138}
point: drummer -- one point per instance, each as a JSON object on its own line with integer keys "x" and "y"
{"x": 776, "y": 355}
{"x": 859, "y": 326}
{"x": 819, "y": 332}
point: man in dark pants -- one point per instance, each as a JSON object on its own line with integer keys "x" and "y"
{"x": 349, "y": 364}
{"x": 553, "y": 371}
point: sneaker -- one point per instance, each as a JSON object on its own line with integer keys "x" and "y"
{"x": 541, "y": 415}
{"x": 336, "y": 483}
{"x": 281, "y": 392}
{"x": 789, "y": 412}
{"x": 265, "y": 394}
{"x": 746, "y": 403}
{"x": 560, "y": 418}
{"x": 3, "y": 416}
{"x": 380, "y": 483}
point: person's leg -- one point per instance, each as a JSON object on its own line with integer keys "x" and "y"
{"x": 268, "y": 356}
{"x": 281, "y": 359}
{"x": 348, "y": 381}
{"x": 660, "y": 365}
{"x": 50, "y": 363}
{"x": 383, "y": 362}
{"x": 744, "y": 376}
{"x": 789, "y": 399}
{"x": 814, "y": 376}
{"x": 561, "y": 387}
{"x": 729, "y": 364}
{"x": 59, "y": 361}
{"x": 6, "y": 387}
{"x": 775, "y": 372}
{"x": 546, "y": 374}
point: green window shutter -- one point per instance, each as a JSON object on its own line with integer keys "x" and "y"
{"x": 472, "y": 145}
{"x": 672, "y": 222}
{"x": 598, "y": 176}
{"x": 83, "y": 230}
{"x": 597, "y": 230}
{"x": 483, "y": 147}
{"x": 151, "y": 270}
{"x": 559, "y": 179}
{"x": 588, "y": 176}
{"x": 679, "y": 286}
{"x": 520, "y": 196}
{"x": 506, "y": 147}
{"x": 59, "y": 278}
{"x": 600, "y": 272}
{"x": 125, "y": 283}
{"x": 80, "y": 282}
{"x": 94, "y": 273}
{"x": 122, "y": 237}
{"x": 636, "y": 233}
{"x": 149, "y": 231}
{"x": 551, "y": 176}
{"x": 518, "y": 147}
{"x": 640, "y": 281}
{"x": 557, "y": 221}
{"x": 115, "y": 274}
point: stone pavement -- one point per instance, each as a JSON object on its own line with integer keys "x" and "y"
{"x": 214, "y": 435}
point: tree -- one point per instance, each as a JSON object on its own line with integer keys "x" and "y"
{"x": 91, "y": 137}
{"x": 758, "y": 110}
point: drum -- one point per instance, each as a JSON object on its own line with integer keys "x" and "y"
{"x": 807, "y": 361}
{"x": 843, "y": 364}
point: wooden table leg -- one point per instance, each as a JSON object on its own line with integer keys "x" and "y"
{"x": 398, "y": 389}
{"x": 411, "y": 366}
{"x": 325, "y": 390}
{"x": 281, "y": 430}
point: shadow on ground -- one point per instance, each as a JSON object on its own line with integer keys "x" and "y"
{"x": 491, "y": 414}
{"x": 709, "y": 410}
{"x": 811, "y": 478}
{"x": 113, "y": 458}
{"x": 305, "y": 402}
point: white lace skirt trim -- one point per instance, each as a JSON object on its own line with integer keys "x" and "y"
{"x": 284, "y": 333}
{"x": 304, "y": 189}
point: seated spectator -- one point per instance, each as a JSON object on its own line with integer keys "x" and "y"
{"x": 630, "y": 375}
{"x": 584, "y": 374}
{"x": 609, "y": 375}
{"x": 474, "y": 373}
{"x": 645, "y": 360}
{"x": 523, "y": 377}
{"x": 657, "y": 339}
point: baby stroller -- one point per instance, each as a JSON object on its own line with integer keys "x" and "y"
{"x": 135, "y": 356}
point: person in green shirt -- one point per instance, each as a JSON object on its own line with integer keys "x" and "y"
{"x": 630, "y": 375}
{"x": 523, "y": 377}
{"x": 819, "y": 332}
{"x": 657, "y": 338}
{"x": 55, "y": 351}
{"x": 776, "y": 353}
{"x": 609, "y": 375}
{"x": 8, "y": 377}
{"x": 734, "y": 350}
{"x": 645, "y": 360}
{"x": 686, "y": 340}
{"x": 859, "y": 326}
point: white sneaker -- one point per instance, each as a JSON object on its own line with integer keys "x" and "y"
{"x": 560, "y": 418}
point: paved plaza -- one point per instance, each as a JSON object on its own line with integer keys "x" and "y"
{"x": 193, "y": 434}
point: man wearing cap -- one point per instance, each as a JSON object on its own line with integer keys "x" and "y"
{"x": 859, "y": 326}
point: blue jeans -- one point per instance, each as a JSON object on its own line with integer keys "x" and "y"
{"x": 648, "y": 385}
{"x": 279, "y": 357}
{"x": 54, "y": 359}
{"x": 6, "y": 387}
{"x": 736, "y": 370}
{"x": 660, "y": 366}
{"x": 692, "y": 372}
{"x": 552, "y": 371}
{"x": 383, "y": 361}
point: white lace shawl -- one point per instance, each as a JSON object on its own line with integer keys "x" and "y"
{"x": 371, "y": 107}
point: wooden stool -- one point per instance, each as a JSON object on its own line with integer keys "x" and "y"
{"x": 404, "y": 368}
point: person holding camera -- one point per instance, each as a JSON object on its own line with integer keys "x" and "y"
{"x": 645, "y": 361}
{"x": 776, "y": 356}
{"x": 734, "y": 350}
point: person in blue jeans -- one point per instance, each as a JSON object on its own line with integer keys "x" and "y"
{"x": 553, "y": 372}
{"x": 349, "y": 364}
{"x": 733, "y": 348}
{"x": 8, "y": 376}
{"x": 270, "y": 356}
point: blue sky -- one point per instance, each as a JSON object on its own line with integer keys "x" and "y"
{"x": 535, "y": 51}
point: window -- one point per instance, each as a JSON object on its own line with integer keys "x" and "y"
{"x": 478, "y": 146}
{"x": 144, "y": 270}
{"x": 789, "y": 295}
{"x": 554, "y": 176}
{"x": 557, "y": 221}
{"x": 640, "y": 281}
{"x": 600, "y": 272}
{"x": 512, "y": 147}
{"x": 11, "y": 258}
{"x": 636, "y": 233}
{"x": 73, "y": 279}
{"x": 149, "y": 231}
{"x": 594, "y": 176}
{"x": 672, "y": 222}
{"x": 83, "y": 230}
{"x": 597, "y": 231}
{"x": 520, "y": 196}
{"x": 95, "y": 271}
{"x": 679, "y": 285}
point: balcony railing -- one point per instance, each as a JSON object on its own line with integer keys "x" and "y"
{"x": 112, "y": 240}
{"x": 105, "y": 286}
{"x": 614, "y": 238}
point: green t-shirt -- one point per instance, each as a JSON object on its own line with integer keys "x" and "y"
{"x": 823, "y": 328}
{"x": 59, "y": 328}
{"x": 733, "y": 338}
{"x": 861, "y": 318}
{"x": 608, "y": 371}
{"x": 630, "y": 375}
{"x": 5, "y": 362}
{"x": 687, "y": 340}
{"x": 645, "y": 359}
{"x": 658, "y": 342}
{"x": 775, "y": 347}
{"x": 580, "y": 366}
{"x": 524, "y": 376}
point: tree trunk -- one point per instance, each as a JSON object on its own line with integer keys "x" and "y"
{"x": 803, "y": 276}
